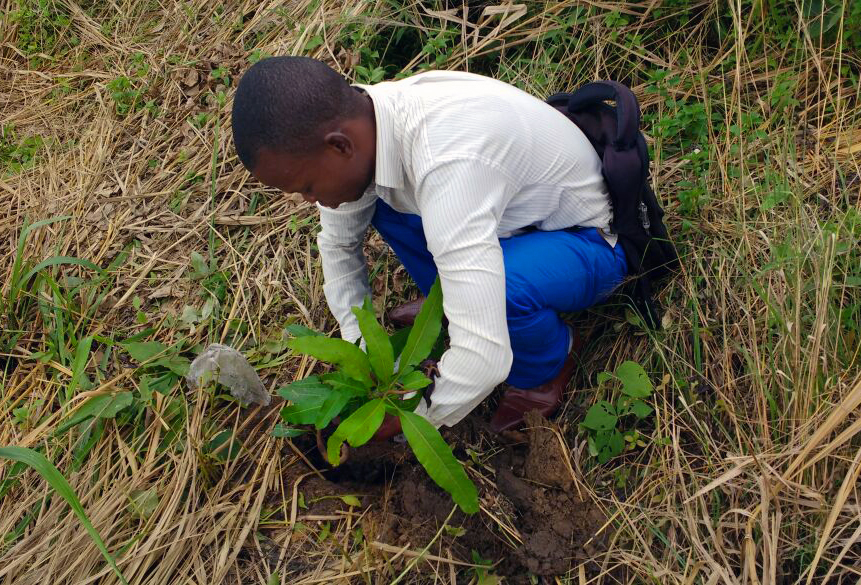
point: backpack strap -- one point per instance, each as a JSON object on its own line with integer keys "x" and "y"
{"x": 627, "y": 108}
{"x": 615, "y": 134}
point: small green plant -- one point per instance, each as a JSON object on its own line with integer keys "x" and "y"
{"x": 366, "y": 386}
{"x": 17, "y": 155}
{"x": 604, "y": 422}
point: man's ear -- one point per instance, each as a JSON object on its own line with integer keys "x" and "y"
{"x": 339, "y": 141}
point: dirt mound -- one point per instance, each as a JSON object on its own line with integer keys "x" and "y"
{"x": 557, "y": 527}
{"x": 534, "y": 492}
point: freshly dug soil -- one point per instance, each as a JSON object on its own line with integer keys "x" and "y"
{"x": 534, "y": 491}
{"x": 557, "y": 527}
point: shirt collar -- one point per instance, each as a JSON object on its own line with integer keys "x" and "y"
{"x": 389, "y": 171}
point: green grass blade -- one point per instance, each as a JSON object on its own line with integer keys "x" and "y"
{"x": 380, "y": 352}
{"x": 438, "y": 460}
{"x": 19, "y": 253}
{"x": 56, "y": 480}
{"x": 57, "y": 261}
{"x": 82, "y": 353}
{"x": 425, "y": 329}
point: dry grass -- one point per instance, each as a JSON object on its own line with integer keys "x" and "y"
{"x": 750, "y": 472}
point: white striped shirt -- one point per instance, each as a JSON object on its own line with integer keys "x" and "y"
{"x": 478, "y": 160}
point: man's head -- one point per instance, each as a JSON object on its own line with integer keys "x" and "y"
{"x": 300, "y": 127}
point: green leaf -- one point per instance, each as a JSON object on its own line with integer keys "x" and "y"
{"x": 425, "y": 330}
{"x": 608, "y": 444}
{"x": 438, "y": 460}
{"x": 351, "y": 500}
{"x": 223, "y": 446}
{"x": 16, "y": 282}
{"x": 143, "y": 503}
{"x": 331, "y": 408}
{"x": 398, "y": 339}
{"x": 343, "y": 383}
{"x": 635, "y": 382}
{"x": 601, "y": 417}
{"x": 56, "y": 480}
{"x": 175, "y": 363}
{"x": 82, "y": 354}
{"x": 352, "y": 360}
{"x": 56, "y": 261}
{"x": 310, "y": 390}
{"x": 380, "y": 352}
{"x": 357, "y": 429}
{"x": 414, "y": 380}
{"x": 284, "y": 432}
{"x": 640, "y": 409}
{"x": 143, "y": 351}
{"x": 300, "y": 414}
{"x": 99, "y": 406}
{"x": 301, "y": 331}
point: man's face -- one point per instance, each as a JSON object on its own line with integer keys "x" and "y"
{"x": 336, "y": 173}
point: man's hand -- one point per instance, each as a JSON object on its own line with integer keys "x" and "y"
{"x": 391, "y": 426}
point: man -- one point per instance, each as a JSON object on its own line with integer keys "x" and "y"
{"x": 465, "y": 177}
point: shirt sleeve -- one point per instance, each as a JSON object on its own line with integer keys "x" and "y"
{"x": 345, "y": 270}
{"x": 461, "y": 203}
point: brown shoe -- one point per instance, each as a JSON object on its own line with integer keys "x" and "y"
{"x": 546, "y": 399}
{"x": 405, "y": 315}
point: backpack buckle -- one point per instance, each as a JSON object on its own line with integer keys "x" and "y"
{"x": 644, "y": 216}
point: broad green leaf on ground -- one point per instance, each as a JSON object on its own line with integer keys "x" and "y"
{"x": 352, "y": 360}
{"x": 331, "y": 408}
{"x": 143, "y": 351}
{"x": 437, "y": 459}
{"x": 635, "y": 382}
{"x": 606, "y": 444}
{"x": 415, "y": 380}
{"x": 282, "y": 431}
{"x": 223, "y": 446}
{"x": 56, "y": 480}
{"x": 351, "y": 500}
{"x": 310, "y": 390}
{"x": 343, "y": 383}
{"x": 143, "y": 503}
{"x": 100, "y": 406}
{"x": 600, "y": 417}
{"x": 175, "y": 363}
{"x": 357, "y": 429}
{"x": 640, "y": 409}
{"x": 380, "y": 352}
{"x": 301, "y": 331}
{"x": 425, "y": 330}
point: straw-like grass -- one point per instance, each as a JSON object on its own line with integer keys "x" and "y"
{"x": 117, "y": 115}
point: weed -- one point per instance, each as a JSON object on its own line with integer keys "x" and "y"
{"x": 17, "y": 155}
{"x": 608, "y": 437}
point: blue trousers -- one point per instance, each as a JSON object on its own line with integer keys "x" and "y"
{"x": 546, "y": 273}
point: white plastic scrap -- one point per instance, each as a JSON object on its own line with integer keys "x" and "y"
{"x": 230, "y": 368}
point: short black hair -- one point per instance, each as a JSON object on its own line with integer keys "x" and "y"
{"x": 282, "y": 101}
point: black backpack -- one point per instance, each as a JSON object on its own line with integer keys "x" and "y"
{"x": 637, "y": 217}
